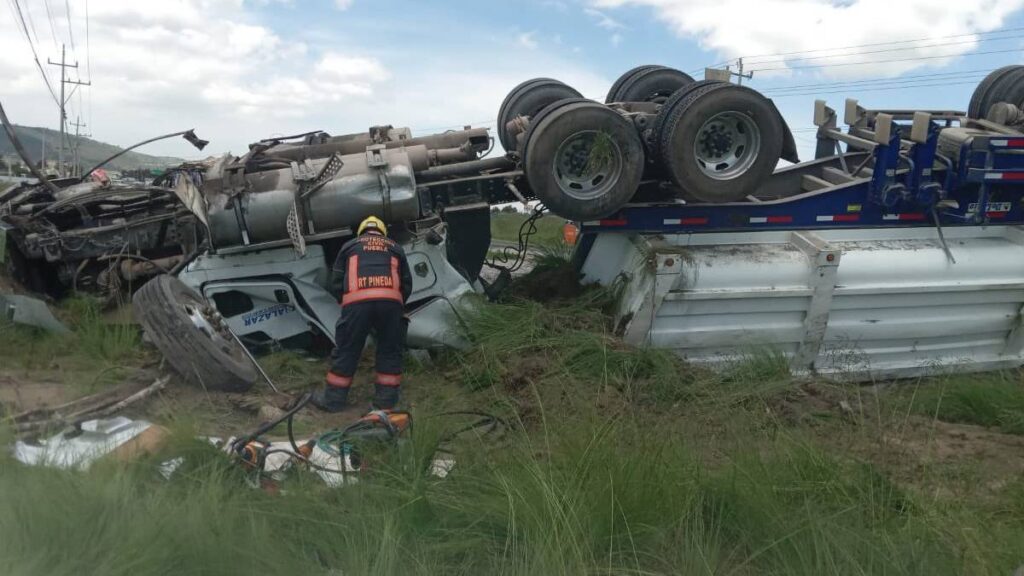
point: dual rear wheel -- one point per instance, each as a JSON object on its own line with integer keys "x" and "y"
{"x": 709, "y": 141}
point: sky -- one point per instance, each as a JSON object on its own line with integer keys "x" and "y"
{"x": 241, "y": 70}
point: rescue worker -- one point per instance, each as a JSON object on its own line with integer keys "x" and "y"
{"x": 372, "y": 280}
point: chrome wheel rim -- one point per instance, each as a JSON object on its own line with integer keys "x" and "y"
{"x": 587, "y": 165}
{"x": 727, "y": 145}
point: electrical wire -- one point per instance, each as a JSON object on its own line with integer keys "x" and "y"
{"x": 71, "y": 31}
{"x": 899, "y": 78}
{"x": 876, "y": 89}
{"x": 892, "y": 82}
{"x": 53, "y": 29}
{"x": 881, "y": 51}
{"x": 869, "y": 62}
{"x": 31, "y": 21}
{"x": 16, "y": 8}
{"x": 519, "y": 252}
{"x": 978, "y": 37}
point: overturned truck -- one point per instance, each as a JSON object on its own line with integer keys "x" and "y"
{"x": 237, "y": 249}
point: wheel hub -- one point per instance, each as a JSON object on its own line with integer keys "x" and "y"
{"x": 587, "y": 164}
{"x": 716, "y": 141}
{"x": 727, "y": 144}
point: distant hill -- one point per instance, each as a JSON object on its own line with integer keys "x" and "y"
{"x": 90, "y": 151}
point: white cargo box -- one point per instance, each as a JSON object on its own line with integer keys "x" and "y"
{"x": 859, "y": 304}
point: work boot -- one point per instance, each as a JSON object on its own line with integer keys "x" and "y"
{"x": 385, "y": 397}
{"x": 330, "y": 399}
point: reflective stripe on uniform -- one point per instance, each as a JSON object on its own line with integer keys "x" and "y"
{"x": 355, "y": 294}
{"x": 338, "y": 381}
{"x": 389, "y": 379}
{"x": 353, "y": 273}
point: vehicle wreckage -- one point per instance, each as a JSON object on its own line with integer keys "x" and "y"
{"x": 673, "y": 181}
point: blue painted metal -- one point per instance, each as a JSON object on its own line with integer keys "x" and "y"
{"x": 989, "y": 174}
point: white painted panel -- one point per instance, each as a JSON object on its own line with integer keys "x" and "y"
{"x": 899, "y": 307}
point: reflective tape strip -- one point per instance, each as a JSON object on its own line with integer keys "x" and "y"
{"x": 904, "y": 216}
{"x": 771, "y": 219}
{"x": 371, "y": 294}
{"x": 685, "y": 221}
{"x": 395, "y": 281}
{"x": 338, "y": 381}
{"x": 839, "y": 218}
{"x": 353, "y": 273}
{"x": 1007, "y": 143}
{"x": 389, "y": 379}
{"x": 994, "y": 214}
{"x": 1004, "y": 176}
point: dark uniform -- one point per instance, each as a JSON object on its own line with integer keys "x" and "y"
{"x": 372, "y": 280}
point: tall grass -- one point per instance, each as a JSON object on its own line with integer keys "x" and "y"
{"x": 993, "y": 399}
{"x": 579, "y": 495}
{"x": 505, "y": 226}
{"x": 96, "y": 352}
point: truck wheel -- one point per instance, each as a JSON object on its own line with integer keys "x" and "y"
{"x": 981, "y": 98}
{"x": 192, "y": 338}
{"x": 719, "y": 142}
{"x": 1007, "y": 88}
{"x": 653, "y": 84}
{"x": 614, "y": 90}
{"x": 582, "y": 159}
{"x": 527, "y": 99}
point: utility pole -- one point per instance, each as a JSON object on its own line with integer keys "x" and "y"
{"x": 739, "y": 73}
{"x": 78, "y": 142}
{"x": 63, "y": 101}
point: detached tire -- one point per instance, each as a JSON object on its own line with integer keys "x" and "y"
{"x": 173, "y": 317}
{"x": 718, "y": 141}
{"x": 582, "y": 159}
{"x": 648, "y": 84}
{"x": 528, "y": 99}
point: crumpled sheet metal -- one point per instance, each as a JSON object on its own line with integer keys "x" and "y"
{"x": 71, "y": 449}
{"x": 30, "y": 312}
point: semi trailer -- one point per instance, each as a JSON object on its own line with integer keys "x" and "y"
{"x": 893, "y": 252}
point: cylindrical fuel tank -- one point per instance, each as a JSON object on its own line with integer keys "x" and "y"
{"x": 471, "y": 142}
{"x": 386, "y": 189}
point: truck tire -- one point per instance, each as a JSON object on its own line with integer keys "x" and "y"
{"x": 1007, "y": 88}
{"x": 658, "y": 126}
{"x": 527, "y": 99}
{"x": 719, "y": 142}
{"x": 614, "y": 90}
{"x": 981, "y": 97}
{"x": 655, "y": 84}
{"x": 177, "y": 321}
{"x": 582, "y": 159}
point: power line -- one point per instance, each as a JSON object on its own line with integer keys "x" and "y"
{"x": 875, "y": 84}
{"x": 53, "y": 29}
{"x": 16, "y": 7}
{"x": 815, "y": 50}
{"x": 900, "y": 78}
{"x": 880, "y": 51}
{"x": 979, "y": 37}
{"x": 88, "y": 61}
{"x": 71, "y": 32}
{"x": 31, "y": 22}
{"x": 876, "y": 89}
{"x": 889, "y": 60}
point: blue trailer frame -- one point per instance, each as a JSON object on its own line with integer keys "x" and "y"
{"x": 911, "y": 185}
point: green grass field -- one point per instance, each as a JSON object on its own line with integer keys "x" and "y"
{"x": 616, "y": 461}
{"x": 505, "y": 227}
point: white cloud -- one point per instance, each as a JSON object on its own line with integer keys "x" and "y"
{"x": 214, "y": 65}
{"x": 603, "y": 20}
{"x": 740, "y": 27}
{"x": 346, "y": 68}
{"x": 343, "y": 4}
{"x": 527, "y": 40}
